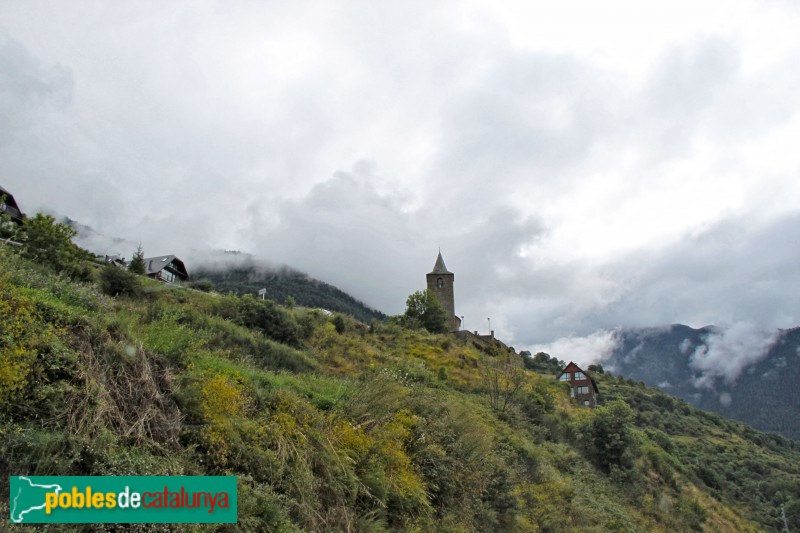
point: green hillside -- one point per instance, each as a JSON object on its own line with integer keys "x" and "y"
{"x": 331, "y": 425}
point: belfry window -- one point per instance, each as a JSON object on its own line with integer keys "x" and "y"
{"x": 440, "y": 283}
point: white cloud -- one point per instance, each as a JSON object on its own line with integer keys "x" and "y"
{"x": 729, "y": 351}
{"x": 593, "y": 348}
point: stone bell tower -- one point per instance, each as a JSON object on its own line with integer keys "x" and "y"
{"x": 440, "y": 283}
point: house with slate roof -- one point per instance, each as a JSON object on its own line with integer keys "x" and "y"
{"x": 166, "y": 268}
{"x": 582, "y": 387}
{"x": 8, "y": 206}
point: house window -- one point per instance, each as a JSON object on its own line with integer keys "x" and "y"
{"x": 583, "y": 389}
{"x": 579, "y": 376}
{"x": 571, "y": 392}
{"x": 564, "y": 377}
{"x": 587, "y": 403}
{"x": 440, "y": 283}
{"x": 166, "y": 275}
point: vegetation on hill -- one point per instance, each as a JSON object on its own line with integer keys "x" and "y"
{"x": 543, "y": 363}
{"x": 331, "y": 424}
{"x": 284, "y": 283}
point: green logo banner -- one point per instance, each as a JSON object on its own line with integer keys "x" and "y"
{"x": 122, "y": 499}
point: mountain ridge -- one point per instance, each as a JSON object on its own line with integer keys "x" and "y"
{"x": 284, "y": 282}
{"x": 758, "y": 389}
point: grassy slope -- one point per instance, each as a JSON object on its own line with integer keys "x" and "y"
{"x": 363, "y": 429}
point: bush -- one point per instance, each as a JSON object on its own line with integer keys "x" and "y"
{"x": 205, "y": 285}
{"x": 339, "y": 324}
{"x": 611, "y": 436}
{"x": 20, "y": 336}
{"x": 116, "y": 281}
{"x": 692, "y": 513}
{"x": 276, "y": 323}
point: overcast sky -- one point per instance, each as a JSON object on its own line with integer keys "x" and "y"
{"x": 583, "y": 165}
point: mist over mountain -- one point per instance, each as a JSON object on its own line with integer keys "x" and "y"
{"x": 246, "y": 276}
{"x": 739, "y": 373}
{"x": 241, "y": 273}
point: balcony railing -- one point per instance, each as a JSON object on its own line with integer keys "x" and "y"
{"x": 10, "y": 210}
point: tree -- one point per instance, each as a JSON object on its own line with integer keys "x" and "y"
{"x": 611, "y": 435}
{"x": 424, "y": 310}
{"x": 137, "y": 263}
{"x": 596, "y": 369}
{"x": 503, "y": 376}
{"x": 50, "y": 242}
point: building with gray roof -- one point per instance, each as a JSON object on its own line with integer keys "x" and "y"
{"x": 167, "y": 268}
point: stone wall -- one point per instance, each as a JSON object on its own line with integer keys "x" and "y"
{"x": 482, "y": 342}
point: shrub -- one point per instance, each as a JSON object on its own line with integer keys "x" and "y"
{"x": 692, "y": 513}
{"x": 339, "y": 324}
{"x": 271, "y": 354}
{"x": 308, "y": 322}
{"x": 19, "y": 329}
{"x": 205, "y": 285}
{"x": 116, "y": 281}
{"x": 503, "y": 377}
{"x": 537, "y": 401}
{"x": 611, "y": 436}
{"x": 276, "y": 323}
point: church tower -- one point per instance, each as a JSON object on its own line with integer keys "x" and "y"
{"x": 440, "y": 283}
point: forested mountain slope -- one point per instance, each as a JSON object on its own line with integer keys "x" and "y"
{"x": 764, "y": 394}
{"x": 285, "y": 282}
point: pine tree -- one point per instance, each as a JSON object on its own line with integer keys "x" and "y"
{"x": 137, "y": 263}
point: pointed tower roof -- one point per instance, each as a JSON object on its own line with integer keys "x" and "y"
{"x": 439, "y": 267}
